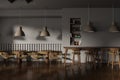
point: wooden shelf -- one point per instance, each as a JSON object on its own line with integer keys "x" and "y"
{"x": 75, "y": 30}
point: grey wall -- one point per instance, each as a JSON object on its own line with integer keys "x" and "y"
{"x": 101, "y": 19}
{"x": 32, "y": 21}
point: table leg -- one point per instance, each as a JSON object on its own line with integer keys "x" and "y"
{"x": 66, "y": 50}
{"x": 79, "y": 60}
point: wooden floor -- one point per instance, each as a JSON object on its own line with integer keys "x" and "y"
{"x": 42, "y": 71}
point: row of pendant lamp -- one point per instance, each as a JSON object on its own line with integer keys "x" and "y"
{"x": 20, "y": 32}
{"x": 44, "y": 32}
{"x": 89, "y": 28}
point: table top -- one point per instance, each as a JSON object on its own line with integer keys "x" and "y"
{"x": 97, "y": 47}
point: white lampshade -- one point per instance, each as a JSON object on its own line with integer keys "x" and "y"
{"x": 19, "y": 32}
{"x": 113, "y": 28}
{"x": 44, "y": 32}
{"x": 88, "y": 28}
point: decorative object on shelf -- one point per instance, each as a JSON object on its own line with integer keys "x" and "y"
{"x": 28, "y": 1}
{"x": 113, "y": 27}
{"x": 89, "y": 28}
{"x": 44, "y": 32}
{"x": 19, "y": 32}
{"x": 75, "y": 31}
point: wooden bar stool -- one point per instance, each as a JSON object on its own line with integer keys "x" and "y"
{"x": 114, "y": 52}
{"x": 76, "y": 52}
{"x": 94, "y": 55}
{"x": 90, "y": 55}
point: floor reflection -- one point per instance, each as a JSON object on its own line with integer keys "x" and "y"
{"x": 41, "y": 71}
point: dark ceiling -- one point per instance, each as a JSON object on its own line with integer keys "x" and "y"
{"x": 58, "y": 4}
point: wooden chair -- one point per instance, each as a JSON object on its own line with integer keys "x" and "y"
{"x": 19, "y": 55}
{"x": 6, "y": 56}
{"x": 45, "y": 55}
{"x": 50, "y": 55}
{"x": 114, "y": 52}
{"x": 34, "y": 56}
{"x": 55, "y": 56}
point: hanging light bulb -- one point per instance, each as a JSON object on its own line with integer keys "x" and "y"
{"x": 19, "y": 32}
{"x": 44, "y": 32}
{"x": 88, "y": 28}
{"x": 113, "y": 27}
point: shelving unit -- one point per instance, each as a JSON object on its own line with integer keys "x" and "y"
{"x": 75, "y": 30}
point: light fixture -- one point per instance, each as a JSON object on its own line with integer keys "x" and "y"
{"x": 28, "y": 1}
{"x": 19, "y": 32}
{"x": 113, "y": 27}
{"x": 44, "y": 32}
{"x": 88, "y": 27}
{"x": 11, "y": 1}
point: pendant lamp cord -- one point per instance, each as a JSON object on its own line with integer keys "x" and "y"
{"x": 45, "y": 18}
{"x": 88, "y": 12}
{"x": 113, "y": 14}
{"x": 20, "y": 16}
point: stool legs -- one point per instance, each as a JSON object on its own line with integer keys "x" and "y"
{"x": 79, "y": 60}
{"x": 119, "y": 61}
{"x": 73, "y": 60}
{"x": 112, "y": 60}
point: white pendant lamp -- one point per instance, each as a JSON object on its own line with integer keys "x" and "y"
{"x": 88, "y": 27}
{"x": 113, "y": 27}
{"x": 44, "y": 32}
{"x": 19, "y": 32}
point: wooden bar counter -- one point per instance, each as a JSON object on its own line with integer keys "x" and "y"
{"x": 85, "y": 48}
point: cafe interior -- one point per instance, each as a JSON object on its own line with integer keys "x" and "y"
{"x": 59, "y": 39}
